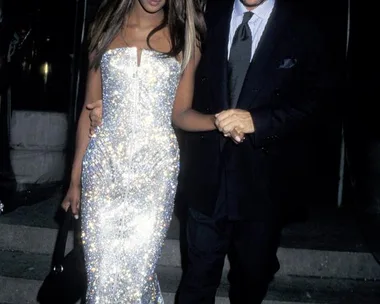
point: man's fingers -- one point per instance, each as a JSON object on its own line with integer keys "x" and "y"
{"x": 220, "y": 113}
{"x": 229, "y": 127}
{"x": 224, "y": 114}
{"x": 91, "y": 133}
{"x": 228, "y": 121}
{"x": 227, "y": 124}
{"x": 95, "y": 121}
{"x": 93, "y": 105}
{"x": 95, "y": 117}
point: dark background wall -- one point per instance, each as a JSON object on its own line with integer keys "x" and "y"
{"x": 361, "y": 110}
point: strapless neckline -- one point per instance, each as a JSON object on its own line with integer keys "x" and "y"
{"x": 136, "y": 50}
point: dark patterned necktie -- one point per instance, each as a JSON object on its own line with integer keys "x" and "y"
{"x": 240, "y": 57}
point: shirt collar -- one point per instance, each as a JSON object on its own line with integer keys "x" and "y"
{"x": 263, "y": 11}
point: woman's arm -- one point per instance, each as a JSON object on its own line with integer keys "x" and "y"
{"x": 184, "y": 117}
{"x": 93, "y": 92}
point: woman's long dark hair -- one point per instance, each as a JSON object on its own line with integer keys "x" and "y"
{"x": 184, "y": 18}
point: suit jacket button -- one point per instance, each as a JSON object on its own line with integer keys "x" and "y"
{"x": 203, "y": 79}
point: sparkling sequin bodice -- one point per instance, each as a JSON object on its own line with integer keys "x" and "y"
{"x": 137, "y": 99}
{"x": 129, "y": 177}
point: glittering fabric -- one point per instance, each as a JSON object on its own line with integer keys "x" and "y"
{"x": 129, "y": 177}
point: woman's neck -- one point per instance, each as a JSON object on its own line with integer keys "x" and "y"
{"x": 140, "y": 18}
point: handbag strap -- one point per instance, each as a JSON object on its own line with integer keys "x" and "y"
{"x": 60, "y": 243}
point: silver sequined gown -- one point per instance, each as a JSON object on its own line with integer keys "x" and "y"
{"x": 129, "y": 178}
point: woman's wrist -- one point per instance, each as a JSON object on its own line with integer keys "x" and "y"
{"x": 75, "y": 180}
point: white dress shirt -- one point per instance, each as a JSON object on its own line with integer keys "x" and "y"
{"x": 257, "y": 23}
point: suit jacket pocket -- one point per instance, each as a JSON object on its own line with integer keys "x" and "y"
{"x": 285, "y": 72}
{"x": 287, "y": 63}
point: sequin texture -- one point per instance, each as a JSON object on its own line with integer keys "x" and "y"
{"x": 129, "y": 177}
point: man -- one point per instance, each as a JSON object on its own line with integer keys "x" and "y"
{"x": 263, "y": 69}
{"x": 262, "y": 72}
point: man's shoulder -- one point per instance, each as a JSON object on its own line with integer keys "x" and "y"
{"x": 298, "y": 11}
{"x": 300, "y": 18}
{"x": 215, "y": 9}
{"x": 214, "y": 4}
{"x": 303, "y": 25}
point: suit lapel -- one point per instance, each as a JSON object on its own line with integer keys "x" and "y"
{"x": 255, "y": 77}
{"x": 218, "y": 48}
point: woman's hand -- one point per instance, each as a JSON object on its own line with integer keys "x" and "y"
{"x": 72, "y": 199}
{"x": 235, "y": 136}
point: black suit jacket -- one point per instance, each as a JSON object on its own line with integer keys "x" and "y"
{"x": 287, "y": 89}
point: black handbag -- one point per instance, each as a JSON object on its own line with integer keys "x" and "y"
{"x": 66, "y": 281}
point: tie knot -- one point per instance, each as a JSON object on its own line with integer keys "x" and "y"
{"x": 247, "y": 16}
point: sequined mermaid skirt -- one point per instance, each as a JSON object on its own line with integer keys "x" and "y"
{"x": 128, "y": 189}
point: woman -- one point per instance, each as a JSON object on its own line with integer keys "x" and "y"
{"x": 143, "y": 58}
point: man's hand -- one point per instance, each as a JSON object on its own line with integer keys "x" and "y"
{"x": 95, "y": 109}
{"x": 234, "y": 121}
